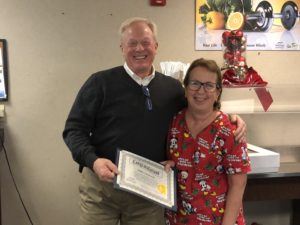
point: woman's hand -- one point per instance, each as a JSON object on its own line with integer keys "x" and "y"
{"x": 168, "y": 164}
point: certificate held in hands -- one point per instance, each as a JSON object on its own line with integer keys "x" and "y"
{"x": 146, "y": 178}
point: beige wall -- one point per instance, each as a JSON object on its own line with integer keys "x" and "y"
{"x": 53, "y": 46}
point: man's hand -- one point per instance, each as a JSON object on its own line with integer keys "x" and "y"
{"x": 168, "y": 164}
{"x": 105, "y": 169}
{"x": 240, "y": 133}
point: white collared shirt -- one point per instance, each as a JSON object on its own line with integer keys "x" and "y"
{"x": 141, "y": 81}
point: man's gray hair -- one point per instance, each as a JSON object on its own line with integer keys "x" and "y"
{"x": 127, "y": 23}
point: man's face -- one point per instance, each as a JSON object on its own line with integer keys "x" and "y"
{"x": 139, "y": 48}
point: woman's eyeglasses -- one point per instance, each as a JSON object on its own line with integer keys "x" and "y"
{"x": 148, "y": 102}
{"x": 195, "y": 85}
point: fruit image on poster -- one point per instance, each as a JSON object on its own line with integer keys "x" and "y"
{"x": 268, "y": 24}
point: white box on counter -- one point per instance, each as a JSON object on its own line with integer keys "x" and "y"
{"x": 263, "y": 160}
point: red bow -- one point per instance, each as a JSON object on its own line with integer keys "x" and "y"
{"x": 252, "y": 79}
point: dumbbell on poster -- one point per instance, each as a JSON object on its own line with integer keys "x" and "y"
{"x": 240, "y": 14}
{"x": 263, "y": 17}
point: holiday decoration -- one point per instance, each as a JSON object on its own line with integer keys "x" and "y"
{"x": 234, "y": 44}
{"x": 237, "y": 73}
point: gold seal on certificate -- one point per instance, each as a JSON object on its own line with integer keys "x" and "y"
{"x": 146, "y": 178}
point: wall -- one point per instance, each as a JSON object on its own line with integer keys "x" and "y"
{"x": 53, "y": 46}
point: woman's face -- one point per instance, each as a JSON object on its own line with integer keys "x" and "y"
{"x": 201, "y": 91}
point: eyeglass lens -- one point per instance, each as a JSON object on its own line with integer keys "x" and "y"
{"x": 196, "y": 85}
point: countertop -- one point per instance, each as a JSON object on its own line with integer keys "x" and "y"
{"x": 289, "y": 163}
{"x": 286, "y": 169}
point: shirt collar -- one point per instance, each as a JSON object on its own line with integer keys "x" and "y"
{"x": 141, "y": 81}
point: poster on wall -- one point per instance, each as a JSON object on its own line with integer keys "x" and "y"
{"x": 267, "y": 25}
{"x": 3, "y": 71}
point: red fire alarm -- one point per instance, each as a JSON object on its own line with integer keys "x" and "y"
{"x": 158, "y": 2}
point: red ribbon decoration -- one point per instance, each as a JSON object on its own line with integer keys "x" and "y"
{"x": 252, "y": 79}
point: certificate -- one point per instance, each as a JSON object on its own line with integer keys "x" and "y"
{"x": 146, "y": 178}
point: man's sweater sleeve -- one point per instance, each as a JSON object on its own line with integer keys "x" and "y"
{"x": 81, "y": 122}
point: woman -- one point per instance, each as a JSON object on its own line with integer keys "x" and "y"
{"x": 211, "y": 166}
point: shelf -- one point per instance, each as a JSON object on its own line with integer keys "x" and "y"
{"x": 244, "y": 100}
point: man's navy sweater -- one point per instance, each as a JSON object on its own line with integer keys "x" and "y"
{"x": 110, "y": 112}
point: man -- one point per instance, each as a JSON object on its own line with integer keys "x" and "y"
{"x": 127, "y": 107}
